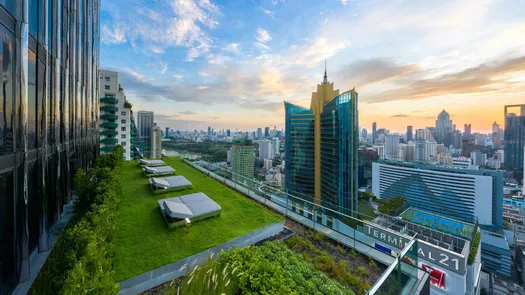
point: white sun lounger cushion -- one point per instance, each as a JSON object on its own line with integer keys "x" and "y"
{"x": 177, "y": 210}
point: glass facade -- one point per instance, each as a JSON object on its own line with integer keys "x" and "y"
{"x": 338, "y": 154}
{"x": 514, "y": 139}
{"x": 300, "y": 153}
{"x": 48, "y": 117}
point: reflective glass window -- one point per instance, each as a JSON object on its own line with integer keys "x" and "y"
{"x": 7, "y": 98}
{"x": 7, "y": 271}
{"x": 31, "y": 102}
{"x": 33, "y": 18}
{"x": 40, "y": 96}
{"x": 13, "y": 7}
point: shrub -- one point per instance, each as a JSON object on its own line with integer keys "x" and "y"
{"x": 82, "y": 259}
{"x": 391, "y": 206}
{"x": 474, "y": 248}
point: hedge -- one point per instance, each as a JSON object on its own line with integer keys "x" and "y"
{"x": 83, "y": 258}
{"x": 474, "y": 248}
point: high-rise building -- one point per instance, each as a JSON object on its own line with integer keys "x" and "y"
{"x": 265, "y": 149}
{"x": 228, "y": 132}
{"x": 468, "y": 130}
{"x": 478, "y": 158}
{"x": 209, "y": 131}
{"x": 514, "y": 137}
{"x": 167, "y": 133}
{"x": 364, "y": 133}
{"x": 266, "y": 131}
{"x": 259, "y": 133}
{"x": 424, "y": 134}
{"x": 444, "y": 126}
{"x": 410, "y": 133}
{"x": 374, "y": 132}
{"x": 391, "y": 142}
{"x": 115, "y": 115}
{"x": 49, "y": 121}
{"x": 242, "y": 161}
{"x": 156, "y": 142}
{"x": 276, "y": 145}
{"x": 145, "y": 122}
{"x": 322, "y": 147}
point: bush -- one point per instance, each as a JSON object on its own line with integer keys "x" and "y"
{"x": 82, "y": 259}
{"x": 474, "y": 248}
{"x": 391, "y": 206}
{"x": 268, "y": 269}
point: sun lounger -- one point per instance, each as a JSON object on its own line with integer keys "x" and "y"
{"x": 195, "y": 207}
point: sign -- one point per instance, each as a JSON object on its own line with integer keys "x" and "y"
{"x": 437, "y": 277}
{"x": 446, "y": 259}
{"x": 383, "y": 249}
{"x": 385, "y": 236}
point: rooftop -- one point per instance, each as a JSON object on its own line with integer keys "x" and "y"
{"x": 143, "y": 240}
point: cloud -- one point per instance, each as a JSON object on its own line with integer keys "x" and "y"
{"x": 164, "y": 67}
{"x": 233, "y": 48}
{"x": 268, "y": 12}
{"x": 261, "y": 105}
{"x": 400, "y": 116}
{"x": 157, "y": 50}
{"x": 115, "y": 34}
{"x": 262, "y": 46}
{"x": 369, "y": 71}
{"x": 178, "y": 76}
{"x": 263, "y": 36}
{"x": 188, "y": 113}
{"x": 484, "y": 78}
{"x": 344, "y": 2}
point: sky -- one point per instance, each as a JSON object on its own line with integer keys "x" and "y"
{"x": 231, "y": 64}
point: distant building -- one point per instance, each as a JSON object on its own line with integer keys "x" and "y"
{"x": 156, "y": 142}
{"x": 468, "y": 130}
{"x": 514, "y": 137}
{"x": 478, "y": 158}
{"x": 391, "y": 143}
{"x": 444, "y": 126}
{"x": 374, "y": 132}
{"x": 267, "y": 164}
{"x": 322, "y": 148}
{"x": 276, "y": 145}
{"x": 145, "y": 121}
{"x": 259, "y": 133}
{"x": 265, "y": 149}
{"x": 424, "y": 134}
{"x": 410, "y": 133}
{"x": 266, "y": 131}
{"x": 167, "y": 133}
{"x": 229, "y": 156}
{"x": 242, "y": 161}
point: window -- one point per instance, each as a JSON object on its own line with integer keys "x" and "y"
{"x": 31, "y": 101}
{"x": 107, "y": 79}
{"x": 123, "y": 121}
{"x": 123, "y": 113}
{"x": 123, "y": 143}
{"x": 123, "y": 136}
{"x": 7, "y": 94}
{"x": 107, "y": 87}
{"x": 123, "y": 129}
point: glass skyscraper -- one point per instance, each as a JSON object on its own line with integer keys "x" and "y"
{"x": 322, "y": 147}
{"x": 514, "y": 138}
{"x": 49, "y": 110}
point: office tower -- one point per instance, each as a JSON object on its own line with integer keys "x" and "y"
{"x": 514, "y": 137}
{"x": 265, "y": 149}
{"x": 523, "y": 181}
{"x": 391, "y": 142}
{"x": 49, "y": 121}
{"x": 228, "y": 132}
{"x": 259, "y": 133}
{"x": 364, "y": 133}
{"x": 443, "y": 126}
{"x": 209, "y": 131}
{"x": 380, "y": 149}
{"x": 424, "y": 134}
{"x": 478, "y": 158}
{"x": 401, "y": 152}
{"x": 156, "y": 142}
{"x": 374, "y": 132}
{"x": 468, "y": 130}
{"x": 266, "y": 131}
{"x": 115, "y": 115}
{"x": 322, "y": 147}
{"x": 242, "y": 161}
{"x": 410, "y": 133}
{"x": 276, "y": 145}
{"x": 167, "y": 134}
{"x": 229, "y": 156}
{"x": 145, "y": 122}
{"x": 461, "y": 194}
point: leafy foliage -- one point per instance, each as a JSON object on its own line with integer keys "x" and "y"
{"x": 391, "y": 206}
{"x": 474, "y": 248}
{"x": 268, "y": 269}
{"x": 82, "y": 260}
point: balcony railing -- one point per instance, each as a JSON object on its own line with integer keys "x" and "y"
{"x": 108, "y": 140}
{"x": 108, "y": 100}
{"x": 109, "y": 117}
{"x": 108, "y": 148}
{"x": 109, "y": 125}
{"x": 109, "y": 133}
{"x": 109, "y": 108}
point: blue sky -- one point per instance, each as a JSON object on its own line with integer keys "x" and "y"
{"x": 231, "y": 64}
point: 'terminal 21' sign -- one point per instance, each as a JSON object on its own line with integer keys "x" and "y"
{"x": 446, "y": 259}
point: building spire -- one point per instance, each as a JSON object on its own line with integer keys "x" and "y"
{"x": 325, "y": 80}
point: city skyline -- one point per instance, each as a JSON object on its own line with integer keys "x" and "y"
{"x": 231, "y": 65}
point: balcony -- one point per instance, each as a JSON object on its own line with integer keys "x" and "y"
{"x": 108, "y": 140}
{"x": 109, "y": 108}
{"x": 109, "y": 117}
{"x": 109, "y": 100}
{"x": 109, "y": 133}
{"x": 109, "y": 125}
{"x": 108, "y": 148}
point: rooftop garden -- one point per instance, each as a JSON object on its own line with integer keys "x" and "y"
{"x": 143, "y": 241}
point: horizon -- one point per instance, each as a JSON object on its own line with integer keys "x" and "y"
{"x": 232, "y": 65}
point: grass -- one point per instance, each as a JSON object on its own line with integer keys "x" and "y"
{"x": 143, "y": 240}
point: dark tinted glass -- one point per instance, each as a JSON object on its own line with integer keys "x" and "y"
{"x": 7, "y": 116}
{"x": 31, "y": 102}
{"x": 7, "y": 271}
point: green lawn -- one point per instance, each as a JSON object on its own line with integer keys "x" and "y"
{"x": 365, "y": 209}
{"x": 143, "y": 241}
